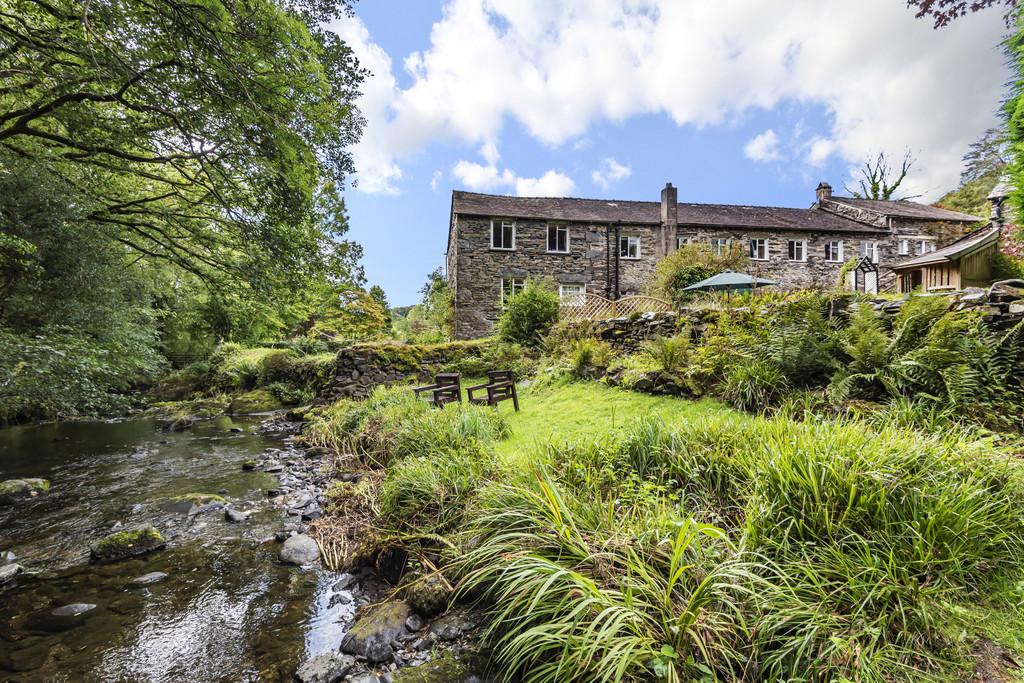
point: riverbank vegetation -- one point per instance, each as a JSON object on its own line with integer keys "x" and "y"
{"x": 615, "y": 535}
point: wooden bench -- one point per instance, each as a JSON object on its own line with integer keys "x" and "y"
{"x": 500, "y": 386}
{"x": 447, "y": 388}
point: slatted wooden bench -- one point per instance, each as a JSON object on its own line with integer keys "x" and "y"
{"x": 500, "y": 386}
{"x": 447, "y": 388}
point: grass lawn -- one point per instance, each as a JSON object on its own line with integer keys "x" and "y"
{"x": 582, "y": 410}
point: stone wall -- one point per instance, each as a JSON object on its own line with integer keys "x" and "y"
{"x": 358, "y": 369}
{"x": 1001, "y": 305}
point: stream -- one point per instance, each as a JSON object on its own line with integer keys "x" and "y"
{"x": 228, "y": 611}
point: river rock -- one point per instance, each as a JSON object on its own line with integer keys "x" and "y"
{"x": 300, "y": 549}
{"x": 344, "y": 581}
{"x": 8, "y": 572}
{"x": 233, "y": 516}
{"x": 373, "y": 632}
{"x": 12, "y": 490}
{"x": 147, "y": 579}
{"x": 452, "y": 626}
{"x": 60, "y": 618}
{"x": 125, "y": 544}
{"x": 428, "y": 597}
{"x": 340, "y": 598}
{"x": 328, "y": 667}
{"x": 7, "y": 557}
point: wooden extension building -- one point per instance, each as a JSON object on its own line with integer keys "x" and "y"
{"x": 967, "y": 262}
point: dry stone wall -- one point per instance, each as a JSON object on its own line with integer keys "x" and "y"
{"x": 358, "y": 369}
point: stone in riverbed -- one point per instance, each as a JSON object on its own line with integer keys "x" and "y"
{"x": 232, "y": 516}
{"x": 300, "y": 549}
{"x": 125, "y": 544}
{"x": 8, "y": 572}
{"x": 328, "y": 667}
{"x": 453, "y": 625}
{"x": 60, "y": 618}
{"x": 147, "y": 579}
{"x": 373, "y": 632}
{"x": 17, "y": 489}
{"x": 7, "y": 557}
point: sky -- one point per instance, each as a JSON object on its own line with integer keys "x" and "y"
{"x": 732, "y": 101}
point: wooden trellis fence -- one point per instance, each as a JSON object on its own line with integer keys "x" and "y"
{"x": 593, "y": 307}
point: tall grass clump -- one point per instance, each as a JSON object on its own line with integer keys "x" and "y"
{"x": 393, "y": 423}
{"x": 748, "y": 550}
{"x": 585, "y": 590}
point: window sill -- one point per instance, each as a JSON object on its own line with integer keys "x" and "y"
{"x": 503, "y": 248}
{"x": 558, "y": 253}
{"x": 762, "y": 260}
{"x": 629, "y": 258}
{"x": 831, "y": 261}
{"x": 798, "y": 260}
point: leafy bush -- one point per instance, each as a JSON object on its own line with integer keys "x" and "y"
{"x": 692, "y": 263}
{"x": 670, "y": 355}
{"x": 589, "y": 357}
{"x": 529, "y": 314}
{"x": 58, "y": 373}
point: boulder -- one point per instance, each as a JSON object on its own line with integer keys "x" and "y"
{"x": 125, "y": 544}
{"x": 328, "y": 667}
{"x": 233, "y": 516}
{"x": 147, "y": 579}
{"x": 454, "y": 625}
{"x": 299, "y": 550}
{"x": 60, "y": 618}
{"x": 8, "y": 572}
{"x": 12, "y": 490}
{"x": 371, "y": 636}
{"x": 428, "y": 597}
{"x": 7, "y": 557}
{"x": 1006, "y": 290}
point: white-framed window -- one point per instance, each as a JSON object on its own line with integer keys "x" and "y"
{"x": 759, "y": 249}
{"x": 870, "y": 250}
{"x": 572, "y": 295}
{"x": 834, "y": 251}
{"x": 797, "y": 250}
{"x": 629, "y": 246}
{"x": 558, "y": 238}
{"x": 503, "y": 234}
{"x": 903, "y": 247}
{"x": 720, "y": 245}
{"x": 683, "y": 240}
{"x": 510, "y": 286}
{"x": 925, "y": 247}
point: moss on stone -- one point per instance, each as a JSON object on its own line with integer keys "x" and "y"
{"x": 12, "y": 489}
{"x": 128, "y": 543}
{"x": 441, "y": 669}
{"x": 255, "y": 401}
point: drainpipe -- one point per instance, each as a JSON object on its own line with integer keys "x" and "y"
{"x": 618, "y": 230}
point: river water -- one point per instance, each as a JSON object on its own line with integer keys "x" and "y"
{"x": 229, "y": 611}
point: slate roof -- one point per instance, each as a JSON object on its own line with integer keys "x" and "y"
{"x": 634, "y": 212}
{"x": 967, "y": 244}
{"x": 908, "y": 209}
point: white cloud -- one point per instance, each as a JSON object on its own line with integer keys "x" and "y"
{"x": 482, "y": 177}
{"x": 551, "y": 184}
{"x": 435, "y": 179}
{"x": 886, "y": 80}
{"x": 763, "y": 147}
{"x": 611, "y": 171}
{"x": 488, "y": 177}
{"x": 819, "y": 150}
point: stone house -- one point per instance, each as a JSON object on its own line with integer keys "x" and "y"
{"x": 611, "y": 247}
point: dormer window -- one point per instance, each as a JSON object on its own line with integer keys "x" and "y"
{"x": 503, "y": 234}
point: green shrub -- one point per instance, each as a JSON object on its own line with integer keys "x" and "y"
{"x": 670, "y": 355}
{"x": 529, "y": 314}
{"x": 277, "y": 365}
{"x": 589, "y": 357}
{"x": 692, "y": 263}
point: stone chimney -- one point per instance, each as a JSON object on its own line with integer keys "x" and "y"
{"x": 669, "y": 218}
{"x": 823, "y": 192}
